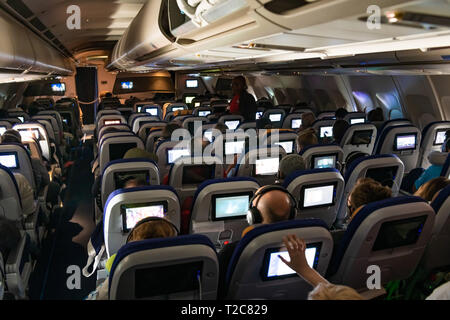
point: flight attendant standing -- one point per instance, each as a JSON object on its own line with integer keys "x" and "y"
{"x": 243, "y": 103}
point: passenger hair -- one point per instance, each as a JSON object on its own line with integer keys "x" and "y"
{"x": 341, "y": 113}
{"x": 152, "y": 229}
{"x": 329, "y": 291}
{"x": 242, "y": 80}
{"x": 308, "y": 119}
{"x": 366, "y": 191}
{"x": 307, "y": 137}
{"x": 429, "y": 189}
{"x": 375, "y": 115}
{"x": 169, "y": 129}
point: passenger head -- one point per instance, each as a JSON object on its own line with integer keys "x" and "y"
{"x": 289, "y": 164}
{"x": 353, "y": 156}
{"x": 375, "y": 115}
{"x": 274, "y": 205}
{"x": 329, "y": 291}
{"x": 429, "y": 189}
{"x": 33, "y": 109}
{"x": 364, "y": 192}
{"x": 263, "y": 123}
{"x": 221, "y": 127}
{"x": 340, "y": 113}
{"x": 308, "y": 119}
{"x": 137, "y": 153}
{"x": 306, "y": 138}
{"x": 169, "y": 129}
{"x": 11, "y": 136}
{"x": 339, "y": 129}
{"x": 152, "y": 228}
{"x": 238, "y": 85}
{"x": 9, "y": 237}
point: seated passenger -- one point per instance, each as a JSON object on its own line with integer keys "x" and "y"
{"x": 167, "y": 131}
{"x": 264, "y": 123}
{"x": 339, "y": 129}
{"x": 288, "y": 165}
{"x": 340, "y": 113}
{"x": 306, "y": 138}
{"x": 308, "y": 119}
{"x": 323, "y": 290}
{"x": 440, "y": 293}
{"x": 147, "y": 228}
{"x": 274, "y": 206}
{"x": 437, "y": 160}
{"x": 376, "y": 117}
{"x": 430, "y": 190}
{"x": 364, "y": 192}
{"x": 9, "y": 237}
{"x": 221, "y": 127}
{"x": 26, "y": 195}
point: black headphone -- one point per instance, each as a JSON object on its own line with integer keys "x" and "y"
{"x": 254, "y": 215}
{"x": 148, "y": 219}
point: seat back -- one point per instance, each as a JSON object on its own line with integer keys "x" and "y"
{"x": 219, "y": 208}
{"x": 172, "y": 107}
{"x": 147, "y": 126}
{"x": 121, "y": 127}
{"x": 231, "y": 121}
{"x": 202, "y": 111}
{"x": 23, "y": 116}
{"x": 391, "y": 234}
{"x": 17, "y": 159}
{"x": 38, "y": 131}
{"x": 166, "y": 154}
{"x": 188, "y": 172}
{"x": 151, "y": 139}
{"x": 56, "y": 116}
{"x": 114, "y": 134}
{"x": 321, "y": 156}
{"x": 318, "y": 193}
{"x": 287, "y": 140}
{"x": 114, "y": 148}
{"x": 116, "y": 172}
{"x": 153, "y": 110}
{"x": 183, "y": 267}
{"x": 261, "y": 163}
{"x": 256, "y": 272}
{"x": 276, "y": 116}
{"x": 125, "y": 207}
{"x": 403, "y": 141}
{"x": 324, "y": 129}
{"x": 137, "y": 107}
{"x": 437, "y": 254}
{"x": 359, "y": 137}
{"x": 355, "y": 117}
{"x": 108, "y": 120}
{"x": 53, "y": 128}
{"x": 137, "y": 121}
{"x": 292, "y": 121}
{"x": 326, "y": 114}
{"x": 433, "y": 136}
{"x": 193, "y": 123}
{"x": 10, "y": 202}
{"x": 387, "y": 169}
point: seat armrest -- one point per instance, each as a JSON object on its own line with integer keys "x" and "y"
{"x": 15, "y": 256}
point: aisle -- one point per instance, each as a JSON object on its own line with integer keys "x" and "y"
{"x": 66, "y": 243}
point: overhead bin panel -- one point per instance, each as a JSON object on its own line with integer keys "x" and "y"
{"x": 22, "y": 50}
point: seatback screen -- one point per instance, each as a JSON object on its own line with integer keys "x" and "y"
{"x": 118, "y": 150}
{"x": 440, "y": 137}
{"x": 357, "y": 120}
{"x": 127, "y": 85}
{"x": 133, "y": 213}
{"x": 151, "y": 110}
{"x": 230, "y": 206}
{"x": 405, "y": 142}
{"x": 326, "y": 132}
{"x": 2, "y": 130}
{"x": 30, "y": 134}
{"x": 58, "y": 87}
{"x": 317, "y": 196}
{"x": 275, "y": 117}
{"x": 174, "y": 154}
{"x": 197, "y": 174}
{"x": 288, "y": 146}
{"x": 120, "y": 178}
{"x": 258, "y": 115}
{"x": 204, "y": 113}
{"x": 324, "y": 161}
{"x": 111, "y": 122}
{"x": 267, "y": 166}
{"x": 296, "y": 123}
{"x": 274, "y": 268}
{"x": 188, "y": 99}
{"x": 232, "y": 124}
{"x": 362, "y": 137}
{"x": 384, "y": 175}
{"x": 208, "y": 135}
{"x": 234, "y": 147}
{"x": 399, "y": 233}
{"x": 9, "y": 160}
{"x": 192, "y": 83}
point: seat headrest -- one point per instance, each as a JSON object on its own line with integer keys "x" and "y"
{"x": 437, "y": 158}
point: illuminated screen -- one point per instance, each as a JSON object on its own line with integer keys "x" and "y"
{"x": 405, "y": 142}
{"x": 58, "y": 87}
{"x": 111, "y": 122}
{"x": 192, "y": 83}
{"x": 174, "y": 154}
{"x": 151, "y": 110}
{"x": 259, "y": 115}
{"x": 440, "y": 137}
{"x": 234, "y": 147}
{"x": 318, "y": 196}
{"x": 177, "y": 109}
{"x": 133, "y": 213}
{"x": 267, "y": 166}
{"x": 197, "y": 104}
{"x": 21, "y": 119}
{"x": 230, "y": 206}
{"x": 9, "y": 160}
{"x": 232, "y": 124}
{"x": 197, "y": 174}
{"x": 188, "y": 99}
{"x": 208, "y": 135}
{"x": 296, "y": 123}
{"x": 357, "y": 120}
{"x": 204, "y": 113}
{"x": 275, "y": 117}
{"x": 2, "y": 130}
{"x": 127, "y": 85}
{"x": 275, "y": 268}
{"x": 321, "y": 162}
{"x": 326, "y": 132}
{"x": 288, "y": 146}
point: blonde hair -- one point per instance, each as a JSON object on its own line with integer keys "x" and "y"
{"x": 152, "y": 229}
{"x": 329, "y": 291}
